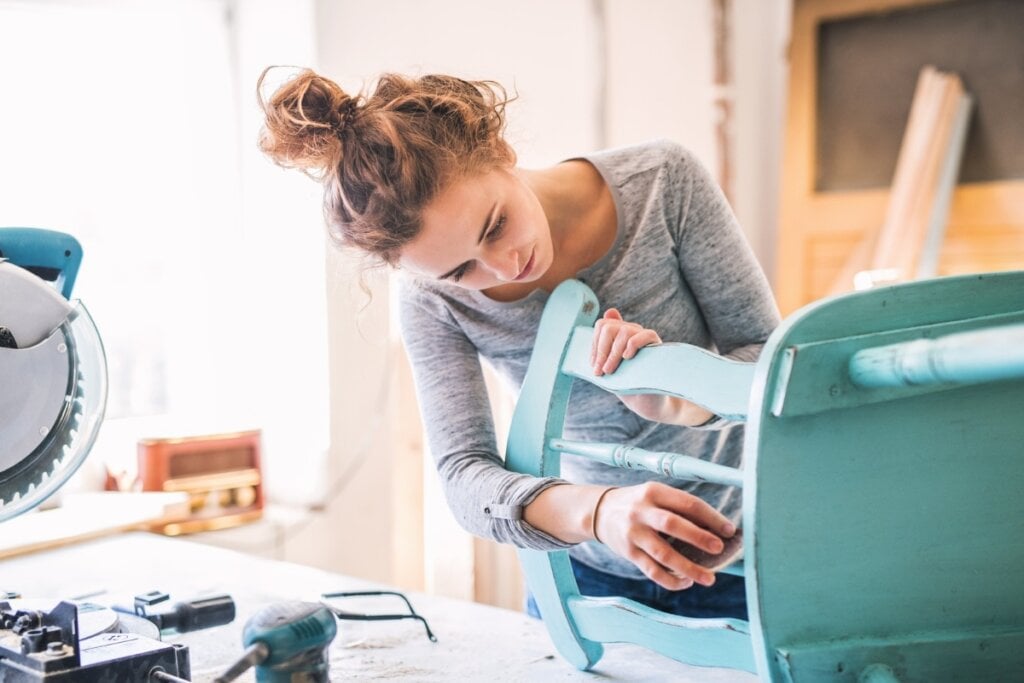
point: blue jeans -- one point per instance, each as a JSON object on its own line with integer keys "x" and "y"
{"x": 726, "y": 598}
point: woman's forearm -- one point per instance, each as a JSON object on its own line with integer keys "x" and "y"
{"x": 565, "y": 511}
{"x": 667, "y": 409}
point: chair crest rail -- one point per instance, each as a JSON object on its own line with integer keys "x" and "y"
{"x": 719, "y": 384}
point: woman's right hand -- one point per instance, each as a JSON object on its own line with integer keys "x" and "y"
{"x": 632, "y": 519}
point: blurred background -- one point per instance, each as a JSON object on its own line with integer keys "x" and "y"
{"x": 133, "y": 125}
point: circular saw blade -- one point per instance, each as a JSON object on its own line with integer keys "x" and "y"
{"x": 55, "y": 391}
{"x": 49, "y": 422}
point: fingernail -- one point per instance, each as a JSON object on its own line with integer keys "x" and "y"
{"x": 707, "y": 579}
{"x": 729, "y": 529}
{"x": 687, "y": 583}
{"x": 717, "y": 546}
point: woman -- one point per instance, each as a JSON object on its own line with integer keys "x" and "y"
{"x": 418, "y": 174}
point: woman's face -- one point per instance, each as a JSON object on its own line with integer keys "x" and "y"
{"x": 482, "y": 231}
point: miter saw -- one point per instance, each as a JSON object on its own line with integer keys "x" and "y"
{"x": 53, "y": 372}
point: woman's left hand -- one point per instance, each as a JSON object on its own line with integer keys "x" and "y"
{"x": 616, "y": 340}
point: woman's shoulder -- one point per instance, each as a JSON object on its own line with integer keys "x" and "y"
{"x": 626, "y": 161}
{"x": 424, "y": 299}
{"x": 417, "y": 296}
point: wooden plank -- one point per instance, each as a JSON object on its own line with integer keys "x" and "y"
{"x": 911, "y": 166}
{"x": 918, "y": 205}
{"x": 879, "y": 242}
{"x": 928, "y": 260}
{"x": 905, "y": 230}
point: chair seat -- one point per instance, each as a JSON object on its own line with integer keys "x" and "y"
{"x": 881, "y": 481}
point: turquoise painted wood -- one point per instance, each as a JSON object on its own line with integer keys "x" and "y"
{"x": 669, "y": 464}
{"x": 954, "y": 358}
{"x": 540, "y": 414}
{"x": 579, "y": 625}
{"x": 887, "y": 520}
{"x": 883, "y": 477}
{"x": 719, "y": 384}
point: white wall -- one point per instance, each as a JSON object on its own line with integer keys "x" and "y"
{"x": 543, "y": 50}
{"x": 284, "y": 241}
{"x": 659, "y": 74}
{"x": 760, "y": 55}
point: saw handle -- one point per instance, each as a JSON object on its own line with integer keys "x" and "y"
{"x": 53, "y": 256}
{"x": 182, "y": 617}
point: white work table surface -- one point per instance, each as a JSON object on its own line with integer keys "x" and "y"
{"x": 475, "y": 642}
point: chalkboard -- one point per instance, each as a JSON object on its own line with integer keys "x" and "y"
{"x": 867, "y": 68}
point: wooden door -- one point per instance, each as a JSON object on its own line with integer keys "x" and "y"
{"x": 838, "y": 152}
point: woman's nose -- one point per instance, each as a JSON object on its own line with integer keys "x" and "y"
{"x": 505, "y": 264}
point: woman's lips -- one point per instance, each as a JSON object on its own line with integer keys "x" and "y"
{"x": 528, "y": 267}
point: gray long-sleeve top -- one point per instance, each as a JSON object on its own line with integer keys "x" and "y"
{"x": 679, "y": 265}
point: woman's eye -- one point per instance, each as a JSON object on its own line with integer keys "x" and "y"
{"x": 463, "y": 270}
{"x": 493, "y": 235}
{"x": 497, "y": 230}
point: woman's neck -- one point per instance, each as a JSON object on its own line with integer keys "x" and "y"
{"x": 580, "y": 212}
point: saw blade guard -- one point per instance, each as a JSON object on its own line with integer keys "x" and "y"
{"x": 64, "y": 444}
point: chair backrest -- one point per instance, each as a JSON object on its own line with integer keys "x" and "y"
{"x": 578, "y": 624}
{"x": 882, "y": 483}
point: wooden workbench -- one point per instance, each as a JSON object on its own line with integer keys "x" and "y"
{"x": 475, "y": 642}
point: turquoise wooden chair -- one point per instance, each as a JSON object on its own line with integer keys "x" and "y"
{"x": 883, "y": 485}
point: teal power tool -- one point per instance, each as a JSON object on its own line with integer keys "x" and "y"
{"x": 52, "y": 368}
{"x": 287, "y": 643}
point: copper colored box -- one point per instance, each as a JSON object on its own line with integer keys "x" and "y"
{"x": 220, "y": 472}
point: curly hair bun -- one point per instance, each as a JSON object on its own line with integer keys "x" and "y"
{"x": 306, "y": 120}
